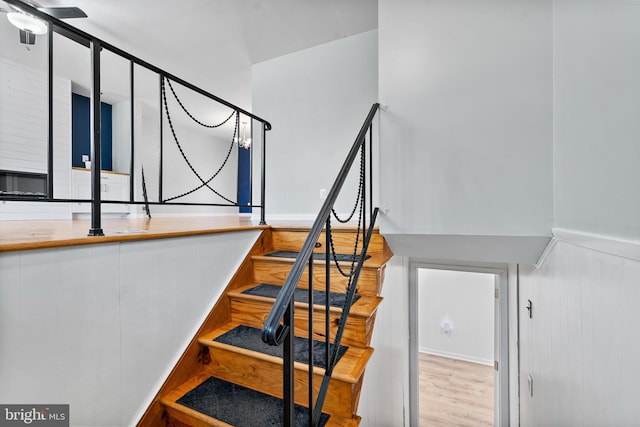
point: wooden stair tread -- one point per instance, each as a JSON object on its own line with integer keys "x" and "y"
{"x": 169, "y": 400}
{"x": 349, "y": 368}
{"x": 261, "y": 370}
{"x": 343, "y": 240}
{"x": 253, "y": 310}
{"x": 374, "y": 262}
{"x": 192, "y": 417}
{"x": 276, "y": 270}
{"x": 364, "y": 307}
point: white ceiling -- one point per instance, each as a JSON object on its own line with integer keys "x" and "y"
{"x": 213, "y": 43}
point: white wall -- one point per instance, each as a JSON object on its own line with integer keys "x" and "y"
{"x": 465, "y": 301}
{"x": 24, "y": 135}
{"x": 206, "y": 150}
{"x": 466, "y": 141}
{"x": 596, "y": 109}
{"x": 582, "y": 345}
{"x": 121, "y": 135}
{"x": 385, "y": 393}
{"x": 316, "y": 100}
{"x": 98, "y": 326}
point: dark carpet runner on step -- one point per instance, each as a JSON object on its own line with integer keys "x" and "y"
{"x": 240, "y": 406}
{"x": 316, "y": 256}
{"x": 301, "y": 295}
{"x": 251, "y": 339}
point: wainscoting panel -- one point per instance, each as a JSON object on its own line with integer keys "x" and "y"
{"x": 99, "y": 326}
{"x": 582, "y": 345}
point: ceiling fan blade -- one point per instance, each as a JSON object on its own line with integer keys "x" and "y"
{"x": 64, "y": 12}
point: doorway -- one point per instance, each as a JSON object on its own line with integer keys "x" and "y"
{"x": 458, "y": 345}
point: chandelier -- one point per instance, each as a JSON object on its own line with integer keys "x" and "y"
{"x": 244, "y": 142}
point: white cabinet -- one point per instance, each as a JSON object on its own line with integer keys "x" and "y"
{"x": 113, "y": 186}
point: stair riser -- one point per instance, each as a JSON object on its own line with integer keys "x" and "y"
{"x": 357, "y": 332}
{"x": 276, "y": 272}
{"x": 343, "y": 243}
{"x": 175, "y": 418}
{"x": 266, "y": 376}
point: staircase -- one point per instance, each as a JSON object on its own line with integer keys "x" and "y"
{"x": 228, "y": 376}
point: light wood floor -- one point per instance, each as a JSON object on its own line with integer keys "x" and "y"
{"x": 454, "y": 392}
{"x": 39, "y": 234}
{"x": 24, "y": 235}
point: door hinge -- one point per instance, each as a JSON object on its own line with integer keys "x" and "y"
{"x": 495, "y": 364}
{"x": 495, "y": 292}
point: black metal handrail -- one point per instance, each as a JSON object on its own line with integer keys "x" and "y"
{"x": 97, "y": 45}
{"x": 278, "y": 327}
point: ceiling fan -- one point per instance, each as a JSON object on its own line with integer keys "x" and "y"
{"x": 30, "y": 26}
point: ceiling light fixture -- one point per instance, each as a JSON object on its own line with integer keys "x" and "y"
{"x": 27, "y": 23}
{"x": 244, "y": 142}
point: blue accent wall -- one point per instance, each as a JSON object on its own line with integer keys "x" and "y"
{"x": 81, "y": 132}
{"x": 244, "y": 179}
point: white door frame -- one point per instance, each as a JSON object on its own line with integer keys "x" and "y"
{"x": 501, "y": 410}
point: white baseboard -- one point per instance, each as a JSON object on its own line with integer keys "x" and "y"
{"x": 466, "y": 358}
{"x": 617, "y": 246}
{"x": 286, "y": 217}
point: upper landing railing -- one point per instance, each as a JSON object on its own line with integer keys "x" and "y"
{"x": 165, "y": 80}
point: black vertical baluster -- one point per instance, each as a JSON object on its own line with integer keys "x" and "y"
{"x": 363, "y": 196}
{"x": 264, "y": 168}
{"x": 50, "y": 119}
{"x": 161, "y": 81}
{"x": 238, "y": 149}
{"x": 327, "y": 290}
{"x": 288, "y": 368}
{"x": 96, "y": 162}
{"x": 311, "y": 339}
{"x": 251, "y": 169}
{"x": 132, "y": 118}
{"x": 370, "y": 170}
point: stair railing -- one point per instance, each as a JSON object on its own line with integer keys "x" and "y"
{"x": 279, "y": 328}
{"x": 96, "y": 46}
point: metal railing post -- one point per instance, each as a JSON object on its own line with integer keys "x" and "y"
{"x": 327, "y": 289}
{"x": 160, "y": 169}
{"x": 50, "y": 119}
{"x": 263, "y": 155}
{"x": 133, "y": 137}
{"x": 96, "y": 121}
{"x": 310, "y": 340}
{"x": 371, "y": 169}
{"x": 288, "y": 369}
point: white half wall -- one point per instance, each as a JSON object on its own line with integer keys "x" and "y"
{"x": 385, "y": 392}
{"x": 466, "y": 139}
{"x": 596, "y": 108}
{"x": 581, "y": 347}
{"x": 462, "y": 303}
{"x": 316, "y": 100}
{"x": 99, "y": 326}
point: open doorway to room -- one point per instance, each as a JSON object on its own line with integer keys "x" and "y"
{"x": 456, "y": 335}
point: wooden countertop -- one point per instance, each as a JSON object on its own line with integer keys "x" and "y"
{"x": 26, "y": 235}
